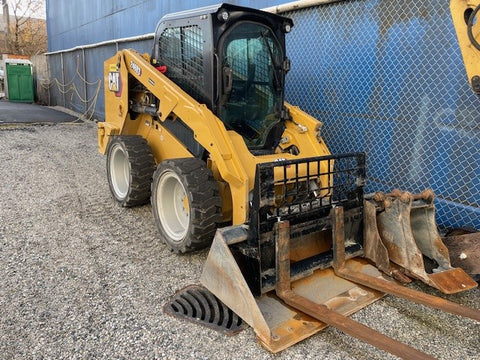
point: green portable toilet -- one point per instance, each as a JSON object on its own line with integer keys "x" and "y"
{"x": 19, "y": 80}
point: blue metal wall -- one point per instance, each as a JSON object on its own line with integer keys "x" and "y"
{"x": 77, "y": 76}
{"x": 386, "y": 77}
{"x": 81, "y": 22}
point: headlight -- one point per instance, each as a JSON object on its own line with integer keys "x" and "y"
{"x": 223, "y": 15}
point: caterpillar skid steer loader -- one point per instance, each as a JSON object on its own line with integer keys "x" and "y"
{"x": 201, "y": 129}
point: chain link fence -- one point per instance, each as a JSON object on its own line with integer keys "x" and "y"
{"x": 385, "y": 77}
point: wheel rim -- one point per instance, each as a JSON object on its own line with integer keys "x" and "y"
{"x": 173, "y": 206}
{"x": 119, "y": 171}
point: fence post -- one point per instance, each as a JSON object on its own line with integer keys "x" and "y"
{"x": 63, "y": 81}
{"x": 85, "y": 93}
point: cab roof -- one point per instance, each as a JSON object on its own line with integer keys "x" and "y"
{"x": 213, "y": 9}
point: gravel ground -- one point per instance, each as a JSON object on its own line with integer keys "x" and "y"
{"x": 81, "y": 277}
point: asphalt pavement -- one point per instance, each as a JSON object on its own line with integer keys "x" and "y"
{"x": 12, "y": 113}
{"x": 83, "y": 278}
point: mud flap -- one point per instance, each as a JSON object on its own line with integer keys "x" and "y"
{"x": 404, "y": 225}
{"x": 276, "y": 324}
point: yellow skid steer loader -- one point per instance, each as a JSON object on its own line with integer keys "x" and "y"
{"x": 201, "y": 129}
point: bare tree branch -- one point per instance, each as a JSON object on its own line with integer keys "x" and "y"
{"x": 27, "y": 34}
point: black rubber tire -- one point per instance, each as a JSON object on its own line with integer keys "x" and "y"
{"x": 130, "y": 167}
{"x": 203, "y": 212}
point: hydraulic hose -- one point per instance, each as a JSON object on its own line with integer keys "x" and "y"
{"x": 470, "y": 24}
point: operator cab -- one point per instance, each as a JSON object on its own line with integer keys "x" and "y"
{"x": 233, "y": 60}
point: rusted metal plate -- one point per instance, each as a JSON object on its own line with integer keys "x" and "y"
{"x": 396, "y": 233}
{"x": 425, "y": 233}
{"x": 452, "y": 281}
{"x": 289, "y": 326}
{"x": 222, "y": 276}
{"x": 324, "y": 287}
{"x": 307, "y": 245}
{"x": 374, "y": 249}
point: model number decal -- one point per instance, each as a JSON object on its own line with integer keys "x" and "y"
{"x": 136, "y": 69}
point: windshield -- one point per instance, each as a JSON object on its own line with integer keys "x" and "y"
{"x": 252, "y": 88}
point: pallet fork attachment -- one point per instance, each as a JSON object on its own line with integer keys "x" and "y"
{"x": 298, "y": 309}
{"x": 301, "y": 303}
{"x": 322, "y": 312}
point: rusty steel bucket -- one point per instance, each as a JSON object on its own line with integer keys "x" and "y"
{"x": 401, "y": 227}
